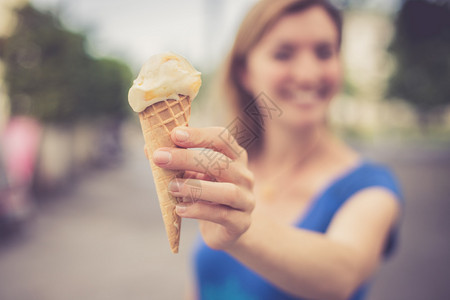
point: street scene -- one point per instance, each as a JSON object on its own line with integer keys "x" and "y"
{"x": 79, "y": 212}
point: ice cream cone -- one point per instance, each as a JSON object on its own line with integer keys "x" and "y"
{"x": 157, "y": 121}
{"x": 162, "y": 95}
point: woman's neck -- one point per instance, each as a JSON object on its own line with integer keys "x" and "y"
{"x": 283, "y": 147}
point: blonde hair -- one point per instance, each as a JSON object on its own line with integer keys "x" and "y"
{"x": 258, "y": 21}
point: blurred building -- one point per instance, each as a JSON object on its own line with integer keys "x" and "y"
{"x": 367, "y": 67}
{"x": 7, "y": 23}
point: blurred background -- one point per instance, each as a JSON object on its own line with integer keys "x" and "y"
{"x": 79, "y": 217}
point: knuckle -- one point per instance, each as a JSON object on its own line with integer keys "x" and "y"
{"x": 220, "y": 130}
{"x": 251, "y": 202}
{"x": 246, "y": 222}
{"x": 242, "y": 225}
{"x": 224, "y": 216}
{"x": 185, "y": 154}
{"x": 251, "y": 177}
{"x": 225, "y": 135}
{"x": 248, "y": 179}
{"x": 234, "y": 195}
{"x": 220, "y": 165}
{"x": 236, "y": 192}
{"x": 243, "y": 155}
{"x": 196, "y": 136}
{"x": 248, "y": 202}
{"x": 201, "y": 138}
{"x": 193, "y": 135}
{"x": 187, "y": 186}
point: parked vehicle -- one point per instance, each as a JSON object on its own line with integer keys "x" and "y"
{"x": 19, "y": 145}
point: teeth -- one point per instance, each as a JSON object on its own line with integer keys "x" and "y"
{"x": 302, "y": 97}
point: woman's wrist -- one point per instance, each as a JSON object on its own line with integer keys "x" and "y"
{"x": 249, "y": 241}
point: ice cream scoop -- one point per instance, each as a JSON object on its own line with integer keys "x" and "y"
{"x": 163, "y": 76}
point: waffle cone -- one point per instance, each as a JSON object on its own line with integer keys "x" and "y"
{"x": 157, "y": 121}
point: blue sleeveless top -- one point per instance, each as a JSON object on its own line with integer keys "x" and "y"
{"x": 220, "y": 276}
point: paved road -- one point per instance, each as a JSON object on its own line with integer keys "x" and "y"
{"x": 103, "y": 238}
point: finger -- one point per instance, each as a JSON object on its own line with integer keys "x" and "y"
{"x": 233, "y": 220}
{"x": 221, "y": 167}
{"x": 197, "y": 175}
{"x": 218, "y": 139}
{"x": 224, "y": 193}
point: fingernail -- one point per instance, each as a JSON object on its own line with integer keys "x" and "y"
{"x": 180, "y": 208}
{"x": 162, "y": 157}
{"x": 181, "y": 135}
{"x": 174, "y": 186}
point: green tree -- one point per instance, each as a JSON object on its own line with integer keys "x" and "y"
{"x": 421, "y": 47}
{"x": 51, "y": 76}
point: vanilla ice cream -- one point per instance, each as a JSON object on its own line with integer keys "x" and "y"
{"x": 163, "y": 76}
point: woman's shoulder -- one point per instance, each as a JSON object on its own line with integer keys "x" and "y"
{"x": 362, "y": 170}
{"x": 359, "y": 172}
{"x": 369, "y": 173}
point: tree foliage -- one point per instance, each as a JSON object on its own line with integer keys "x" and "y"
{"x": 51, "y": 76}
{"x": 421, "y": 47}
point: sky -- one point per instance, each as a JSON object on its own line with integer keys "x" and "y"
{"x": 133, "y": 30}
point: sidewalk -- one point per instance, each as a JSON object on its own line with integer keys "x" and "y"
{"x": 103, "y": 239}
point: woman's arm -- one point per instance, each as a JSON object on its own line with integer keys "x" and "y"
{"x": 300, "y": 262}
{"x": 321, "y": 266}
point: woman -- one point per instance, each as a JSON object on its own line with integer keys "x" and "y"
{"x": 302, "y": 215}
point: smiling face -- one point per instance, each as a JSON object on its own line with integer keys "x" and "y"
{"x": 297, "y": 65}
